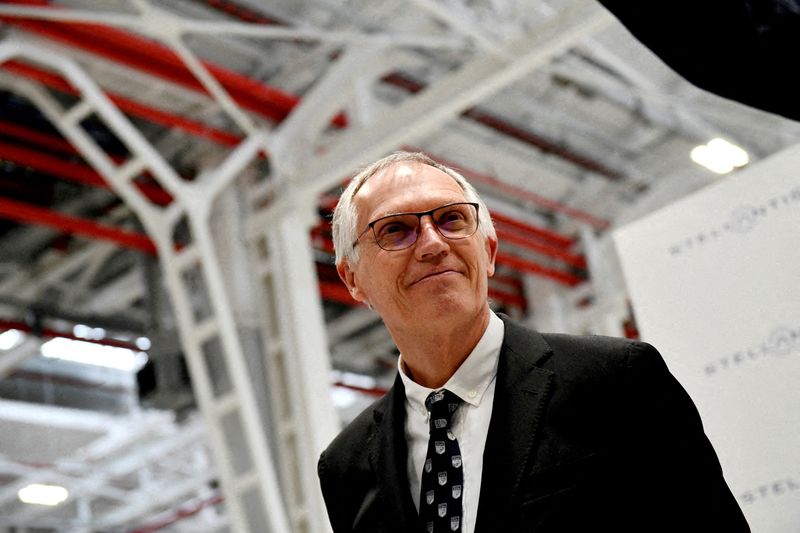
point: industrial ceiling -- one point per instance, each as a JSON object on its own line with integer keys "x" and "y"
{"x": 567, "y": 125}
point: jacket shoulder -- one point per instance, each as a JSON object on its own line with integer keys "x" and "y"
{"x": 350, "y": 446}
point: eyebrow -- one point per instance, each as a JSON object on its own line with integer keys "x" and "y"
{"x": 446, "y": 202}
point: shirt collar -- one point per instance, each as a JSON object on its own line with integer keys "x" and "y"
{"x": 472, "y": 378}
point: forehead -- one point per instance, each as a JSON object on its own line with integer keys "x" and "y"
{"x": 406, "y": 186}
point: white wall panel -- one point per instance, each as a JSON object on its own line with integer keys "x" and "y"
{"x": 715, "y": 285}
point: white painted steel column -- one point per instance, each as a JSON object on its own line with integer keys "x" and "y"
{"x": 298, "y": 365}
{"x": 194, "y": 277}
{"x": 546, "y": 300}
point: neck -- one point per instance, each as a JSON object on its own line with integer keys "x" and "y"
{"x": 433, "y": 352}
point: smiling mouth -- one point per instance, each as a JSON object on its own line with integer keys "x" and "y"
{"x": 434, "y": 275}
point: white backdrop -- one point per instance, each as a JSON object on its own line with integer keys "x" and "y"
{"x": 715, "y": 285}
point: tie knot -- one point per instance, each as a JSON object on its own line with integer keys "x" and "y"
{"x": 441, "y": 404}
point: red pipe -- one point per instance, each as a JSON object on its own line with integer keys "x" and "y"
{"x": 509, "y": 282}
{"x": 518, "y": 192}
{"x": 500, "y": 125}
{"x": 336, "y": 292}
{"x": 532, "y": 267}
{"x": 30, "y": 214}
{"x": 152, "y": 114}
{"x": 179, "y": 514}
{"x": 543, "y": 144}
{"x": 519, "y": 239}
{"x": 370, "y": 391}
{"x": 51, "y": 142}
{"x": 551, "y": 238}
{"x": 73, "y": 171}
{"x": 514, "y": 300}
{"x": 51, "y": 333}
{"x": 158, "y": 60}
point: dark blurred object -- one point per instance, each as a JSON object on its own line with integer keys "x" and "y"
{"x": 745, "y": 50}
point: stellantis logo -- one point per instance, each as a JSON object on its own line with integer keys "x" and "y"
{"x": 742, "y": 219}
{"x": 773, "y": 489}
{"x": 783, "y": 341}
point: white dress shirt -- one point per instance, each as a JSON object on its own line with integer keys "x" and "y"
{"x": 474, "y": 383}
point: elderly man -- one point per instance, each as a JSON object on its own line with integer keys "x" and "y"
{"x": 490, "y": 426}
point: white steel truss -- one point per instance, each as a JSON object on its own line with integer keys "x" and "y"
{"x": 248, "y": 479}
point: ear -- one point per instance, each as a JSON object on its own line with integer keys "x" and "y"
{"x": 348, "y": 276}
{"x": 491, "y": 253}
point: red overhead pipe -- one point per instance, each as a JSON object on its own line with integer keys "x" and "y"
{"x": 50, "y": 333}
{"x": 540, "y": 142}
{"x": 510, "y": 282}
{"x": 152, "y": 114}
{"x": 532, "y": 267}
{"x": 242, "y": 12}
{"x": 370, "y": 391}
{"x": 520, "y": 239}
{"x": 73, "y": 171}
{"x": 407, "y": 83}
{"x": 135, "y": 52}
{"x": 51, "y": 142}
{"x": 158, "y": 60}
{"x": 550, "y": 238}
{"x": 336, "y": 292}
{"x": 30, "y": 214}
{"x": 514, "y": 300}
{"x": 518, "y": 192}
{"x": 179, "y": 514}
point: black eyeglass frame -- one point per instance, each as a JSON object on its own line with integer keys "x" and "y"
{"x": 419, "y": 215}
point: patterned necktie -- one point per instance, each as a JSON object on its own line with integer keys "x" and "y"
{"x": 442, "y": 476}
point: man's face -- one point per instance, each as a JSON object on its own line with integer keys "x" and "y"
{"x": 436, "y": 278}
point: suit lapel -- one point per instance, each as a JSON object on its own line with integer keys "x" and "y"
{"x": 521, "y": 394}
{"x": 389, "y": 462}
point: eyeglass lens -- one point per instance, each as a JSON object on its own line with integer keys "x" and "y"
{"x": 455, "y": 221}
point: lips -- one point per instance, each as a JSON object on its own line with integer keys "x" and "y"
{"x": 434, "y": 274}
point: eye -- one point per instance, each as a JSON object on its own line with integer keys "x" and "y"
{"x": 392, "y": 229}
{"x": 452, "y": 218}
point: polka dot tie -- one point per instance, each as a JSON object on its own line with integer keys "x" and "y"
{"x": 443, "y": 474}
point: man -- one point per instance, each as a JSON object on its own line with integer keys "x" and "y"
{"x": 526, "y": 431}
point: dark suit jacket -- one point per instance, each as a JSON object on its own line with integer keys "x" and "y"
{"x": 586, "y": 434}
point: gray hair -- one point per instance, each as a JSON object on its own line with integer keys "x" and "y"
{"x": 345, "y": 216}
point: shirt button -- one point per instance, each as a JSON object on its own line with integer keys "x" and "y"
{"x": 472, "y": 393}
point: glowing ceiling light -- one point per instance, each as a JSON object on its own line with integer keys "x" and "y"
{"x": 719, "y": 156}
{"x": 143, "y": 343}
{"x": 40, "y": 494}
{"x": 11, "y": 339}
{"x": 91, "y": 353}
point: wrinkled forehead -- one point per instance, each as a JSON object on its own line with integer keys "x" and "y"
{"x": 406, "y": 186}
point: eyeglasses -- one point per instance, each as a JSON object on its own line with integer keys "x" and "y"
{"x": 400, "y": 231}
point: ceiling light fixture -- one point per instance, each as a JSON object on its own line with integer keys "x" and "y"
{"x": 719, "y": 156}
{"x": 94, "y": 354}
{"x": 39, "y": 494}
{"x": 11, "y": 338}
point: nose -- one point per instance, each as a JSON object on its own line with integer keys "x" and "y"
{"x": 430, "y": 242}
